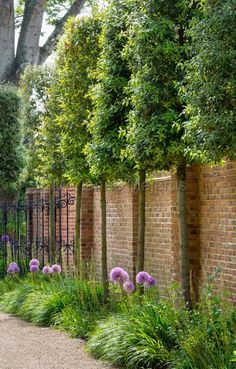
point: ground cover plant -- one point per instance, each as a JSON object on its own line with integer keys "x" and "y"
{"x": 165, "y": 333}
{"x": 137, "y": 328}
{"x": 49, "y": 298}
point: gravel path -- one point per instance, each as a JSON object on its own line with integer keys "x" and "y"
{"x": 23, "y": 346}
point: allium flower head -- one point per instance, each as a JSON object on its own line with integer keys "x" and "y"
{"x": 5, "y": 238}
{"x": 150, "y": 283}
{"x": 128, "y": 287}
{"x": 34, "y": 262}
{"x": 142, "y": 277}
{"x": 34, "y": 268}
{"x": 12, "y": 264}
{"x": 13, "y": 268}
{"x": 47, "y": 269}
{"x": 118, "y": 275}
{"x": 56, "y": 269}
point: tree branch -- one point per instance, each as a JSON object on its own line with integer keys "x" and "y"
{"x": 51, "y": 42}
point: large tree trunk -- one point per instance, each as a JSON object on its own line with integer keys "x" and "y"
{"x": 28, "y": 50}
{"x": 52, "y": 245}
{"x": 7, "y": 38}
{"x": 141, "y": 224}
{"x": 104, "y": 239}
{"x": 185, "y": 270}
{"x": 28, "y": 43}
{"x": 77, "y": 253}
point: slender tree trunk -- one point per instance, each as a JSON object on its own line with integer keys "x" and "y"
{"x": 52, "y": 245}
{"x": 185, "y": 270}
{"x": 7, "y": 38}
{"x": 77, "y": 229}
{"x": 141, "y": 224}
{"x": 104, "y": 239}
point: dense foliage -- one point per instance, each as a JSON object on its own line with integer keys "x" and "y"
{"x": 76, "y": 61}
{"x": 11, "y": 157}
{"x": 210, "y": 88}
{"x": 155, "y": 48}
{"x": 109, "y": 108}
{"x": 33, "y": 87}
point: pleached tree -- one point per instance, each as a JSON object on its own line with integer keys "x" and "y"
{"x": 76, "y": 60}
{"x": 155, "y": 48}
{"x": 109, "y": 113}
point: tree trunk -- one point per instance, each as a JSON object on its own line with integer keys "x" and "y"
{"x": 52, "y": 245}
{"x": 77, "y": 254}
{"x": 28, "y": 43}
{"x": 7, "y": 38}
{"x": 104, "y": 239}
{"x": 185, "y": 270}
{"x": 141, "y": 223}
{"x": 28, "y": 50}
{"x": 51, "y": 42}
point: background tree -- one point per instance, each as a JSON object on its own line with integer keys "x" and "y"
{"x": 155, "y": 48}
{"x": 11, "y": 150}
{"x": 28, "y": 50}
{"x": 109, "y": 112}
{"x": 33, "y": 87}
{"x": 210, "y": 89}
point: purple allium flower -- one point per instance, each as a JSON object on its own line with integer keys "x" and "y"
{"x": 150, "y": 283}
{"x": 13, "y": 268}
{"x": 5, "y": 238}
{"x": 47, "y": 269}
{"x": 128, "y": 287}
{"x": 33, "y": 262}
{"x": 34, "y": 268}
{"x": 56, "y": 269}
{"x": 142, "y": 277}
{"x": 118, "y": 275}
{"x": 12, "y": 264}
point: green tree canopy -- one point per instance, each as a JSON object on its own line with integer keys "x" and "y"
{"x": 11, "y": 149}
{"x": 108, "y": 96}
{"x": 34, "y": 84}
{"x": 155, "y": 48}
{"x": 211, "y": 82}
{"x": 77, "y": 58}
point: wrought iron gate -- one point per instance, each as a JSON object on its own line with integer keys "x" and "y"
{"x": 25, "y": 230}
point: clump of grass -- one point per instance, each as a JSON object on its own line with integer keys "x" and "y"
{"x": 12, "y": 301}
{"x": 78, "y": 322}
{"x": 166, "y": 333}
{"x": 54, "y": 301}
{"x": 141, "y": 336}
{"x": 9, "y": 283}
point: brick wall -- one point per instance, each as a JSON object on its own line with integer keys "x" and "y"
{"x": 211, "y": 216}
{"x": 217, "y": 222}
{"x": 121, "y": 227}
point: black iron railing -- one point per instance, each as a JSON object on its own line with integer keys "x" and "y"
{"x": 25, "y": 230}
